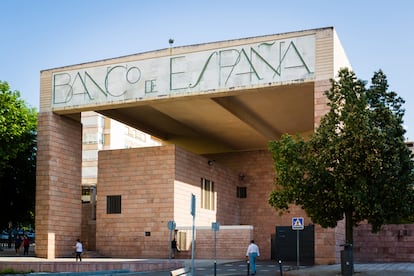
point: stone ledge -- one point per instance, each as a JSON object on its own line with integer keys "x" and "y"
{"x": 41, "y": 265}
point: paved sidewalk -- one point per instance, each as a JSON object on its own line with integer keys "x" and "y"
{"x": 268, "y": 268}
{"x": 239, "y": 267}
{"x": 377, "y": 269}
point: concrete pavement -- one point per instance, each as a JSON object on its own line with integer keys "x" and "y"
{"x": 239, "y": 267}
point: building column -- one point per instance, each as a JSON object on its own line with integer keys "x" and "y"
{"x": 320, "y": 101}
{"x": 58, "y": 185}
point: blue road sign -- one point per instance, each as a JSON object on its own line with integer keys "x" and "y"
{"x": 171, "y": 225}
{"x": 193, "y": 205}
{"x": 215, "y": 226}
{"x": 297, "y": 223}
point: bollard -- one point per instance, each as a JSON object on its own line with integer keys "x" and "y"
{"x": 280, "y": 268}
{"x": 248, "y": 268}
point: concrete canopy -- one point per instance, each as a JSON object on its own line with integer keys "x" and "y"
{"x": 224, "y": 96}
{"x": 220, "y": 122}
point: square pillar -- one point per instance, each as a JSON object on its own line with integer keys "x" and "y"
{"x": 58, "y": 185}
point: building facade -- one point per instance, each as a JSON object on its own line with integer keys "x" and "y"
{"x": 214, "y": 107}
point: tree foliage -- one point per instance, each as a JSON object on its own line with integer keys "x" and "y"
{"x": 356, "y": 165}
{"x": 18, "y": 125}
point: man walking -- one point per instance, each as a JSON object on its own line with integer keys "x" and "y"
{"x": 78, "y": 250}
{"x": 252, "y": 253}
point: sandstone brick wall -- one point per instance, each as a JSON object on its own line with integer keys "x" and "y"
{"x": 257, "y": 167}
{"x": 231, "y": 242}
{"x": 327, "y": 244}
{"x": 58, "y": 185}
{"x": 320, "y": 100}
{"x": 155, "y": 185}
{"x": 144, "y": 177}
{"x": 88, "y": 236}
{"x": 190, "y": 168}
{"x": 394, "y": 243}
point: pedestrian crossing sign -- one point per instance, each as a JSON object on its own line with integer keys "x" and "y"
{"x": 297, "y": 223}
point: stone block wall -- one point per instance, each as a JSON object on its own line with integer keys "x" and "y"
{"x": 189, "y": 170}
{"x": 88, "y": 236}
{"x": 144, "y": 178}
{"x": 58, "y": 185}
{"x": 156, "y": 184}
{"x": 231, "y": 242}
{"x": 259, "y": 176}
{"x": 393, "y": 243}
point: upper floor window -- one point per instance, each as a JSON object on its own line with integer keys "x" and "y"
{"x": 207, "y": 194}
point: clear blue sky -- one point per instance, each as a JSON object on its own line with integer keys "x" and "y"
{"x": 44, "y": 34}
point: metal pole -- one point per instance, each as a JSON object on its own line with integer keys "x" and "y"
{"x": 193, "y": 212}
{"x": 280, "y": 268}
{"x": 170, "y": 244}
{"x": 215, "y": 268}
{"x": 248, "y": 266}
{"x": 192, "y": 248}
{"x": 297, "y": 249}
{"x": 215, "y": 259}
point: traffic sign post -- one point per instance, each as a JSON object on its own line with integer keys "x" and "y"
{"x": 193, "y": 213}
{"x": 297, "y": 224}
{"x": 171, "y": 227}
{"x": 216, "y": 227}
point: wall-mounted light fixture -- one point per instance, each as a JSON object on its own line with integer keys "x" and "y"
{"x": 210, "y": 162}
{"x": 241, "y": 176}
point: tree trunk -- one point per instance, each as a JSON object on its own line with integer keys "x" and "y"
{"x": 349, "y": 241}
{"x": 349, "y": 234}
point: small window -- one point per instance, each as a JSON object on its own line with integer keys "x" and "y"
{"x": 182, "y": 240}
{"x": 241, "y": 192}
{"x": 113, "y": 204}
{"x": 207, "y": 194}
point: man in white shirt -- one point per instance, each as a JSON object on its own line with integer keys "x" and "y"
{"x": 78, "y": 249}
{"x": 252, "y": 253}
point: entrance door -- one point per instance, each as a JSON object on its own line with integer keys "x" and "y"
{"x": 284, "y": 245}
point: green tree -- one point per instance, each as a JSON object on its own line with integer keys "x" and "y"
{"x": 18, "y": 125}
{"x": 355, "y": 166}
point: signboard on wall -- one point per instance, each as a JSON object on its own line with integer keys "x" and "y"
{"x": 235, "y": 67}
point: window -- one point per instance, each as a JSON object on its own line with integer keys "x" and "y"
{"x": 113, "y": 204}
{"x": 86, "y": 193}
{"x": 241, "y": 192}
{"x": 182, "y": 240}
{"x": 207, "y": 194}
{"x": 90, "y": 155}
{"x": 89, "y": 172}
{"x": 90, "y": 138}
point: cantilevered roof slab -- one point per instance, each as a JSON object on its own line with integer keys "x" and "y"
{"x": 243, "y": 120}
{"x": 217, "y": 97}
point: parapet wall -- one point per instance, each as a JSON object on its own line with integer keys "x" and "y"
{"x": 231, "y": 242}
